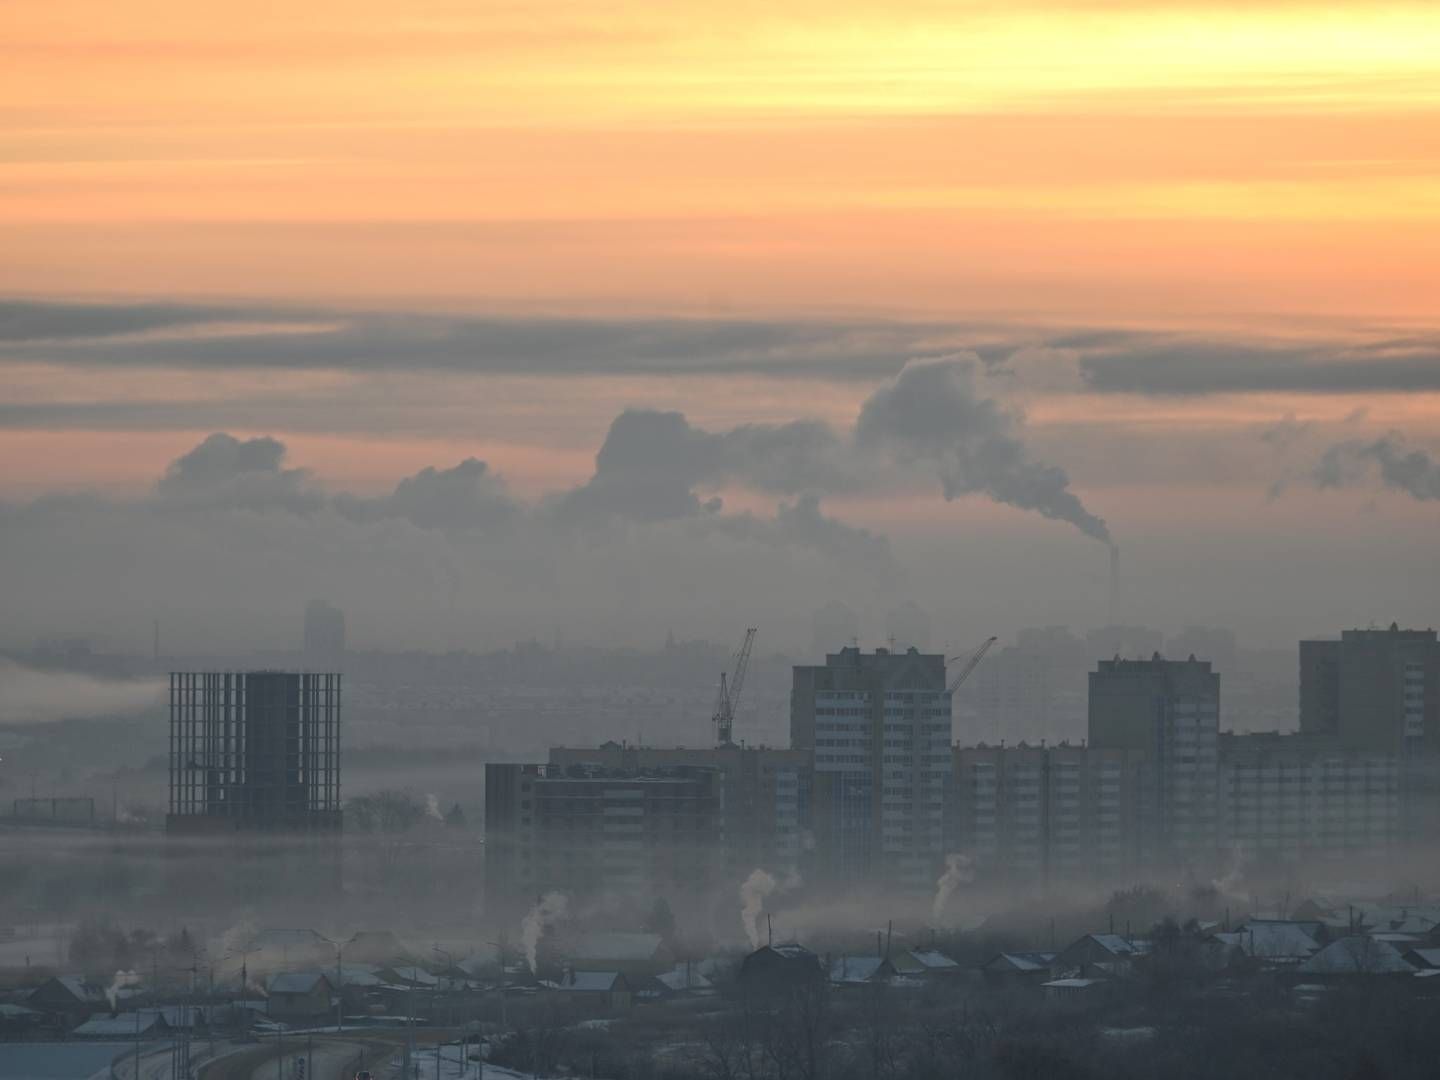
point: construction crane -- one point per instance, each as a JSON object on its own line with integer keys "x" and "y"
{"x": 728, "y": 700}
{"x": 970, "y": 664}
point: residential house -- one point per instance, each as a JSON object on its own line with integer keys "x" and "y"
{"x": 860, "y": 970}
{"x": 299, "y": 996}
{"x": 1353, "y": 956}
{"x": 778, "y": 969}
{"x": 599, "y": 991}
{"x": 1105, "y": 954}
{"x": 141, "y": 1024}
{"x": 1017, "y": 967}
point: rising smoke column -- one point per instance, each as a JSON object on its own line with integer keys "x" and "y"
{"x": 432, "y": 808}
{"x": 546, "y": 913}
{"x": 753, "y": 892}
{"x": 121, "y": 980}
{"x": 958, "y": 871}
{"x": 931, "y": 414}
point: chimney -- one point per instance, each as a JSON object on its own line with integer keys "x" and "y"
{"x": 1114, "y": 583}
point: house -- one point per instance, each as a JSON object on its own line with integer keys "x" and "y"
{"x": 1014, "y": 967}
{"x": 685, "y": 978}
{"x": 636, "y": 954}
{"x": 298, "y": 996}
{"x": 1355, "y": 955}
{"x": 141, "y": 1024}
{"x": 75, "y": 998}
{"x": 601, "y": 991}
{"x": 925, "y": 963}
{"x": 1109, "y": 954}
{"x": 1273, "y": 941}
{"x": 859, "y": 970}
{"x": 774, "y": 969}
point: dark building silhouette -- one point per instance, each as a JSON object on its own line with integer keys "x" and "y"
{"x": 254, "y": 751}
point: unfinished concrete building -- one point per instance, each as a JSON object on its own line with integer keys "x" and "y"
{"x": 255, "y": 751}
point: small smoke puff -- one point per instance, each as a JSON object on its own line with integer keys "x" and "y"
{"x": 550, "y": 910}
{"x": 753, "y": 892}
{"x": 958, "y": 871}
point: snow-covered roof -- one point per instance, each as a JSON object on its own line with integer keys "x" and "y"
{"x": 1356, "y": 955}
{"x": 1070, "y": 984}
{"x": 684, "y": 977}
{"x": 932, "y": 959}
{"x": 1272, "y": 940}
{"x": 593, "y": 982}
{"x": 359, "y": 975}
{"x": 15, "y": 1012}
{"x": 1428, "y": 957}
{"x": 122, "y": 1026}
{"x": 1021, "y": 961}
{"x": 855, "y": 969}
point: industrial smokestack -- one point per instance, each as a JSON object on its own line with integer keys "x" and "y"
{"x": 1114, "y": 584}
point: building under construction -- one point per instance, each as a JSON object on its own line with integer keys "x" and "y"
{"x": 255, "y": 751}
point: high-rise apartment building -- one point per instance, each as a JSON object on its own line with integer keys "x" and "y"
{"x": 1046, "y": 814}
{"x": 878, "y": 728}
{"x": 1373, "y": 690}
{"x": 1293, "y": 797}
{"x": 1170, "y": 711}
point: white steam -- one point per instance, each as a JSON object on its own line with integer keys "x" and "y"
{"x": 958, "y": 871}
{"x": 29, "y": 695}
{"x": 753, "y": 892}
{"x": 550, "y": 910}
{"x": 121, "y": 980}
{"x": 432, "y": 808}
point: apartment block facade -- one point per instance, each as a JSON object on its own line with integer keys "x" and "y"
{"x": 587, "y": 831}
{"x": 878, "y": 728}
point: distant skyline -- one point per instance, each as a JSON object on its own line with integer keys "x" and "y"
{"x": 424, "y": 260}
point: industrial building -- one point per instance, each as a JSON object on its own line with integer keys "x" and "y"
{"x": 254, "y": 751}
{"x": 878, "y": 726}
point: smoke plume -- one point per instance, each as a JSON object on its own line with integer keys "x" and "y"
{"x": 121, "y": 980}
{"x": 753, "y": 892}
{"x": 958, "y": 871}
{"x": 550, "y": 910}
{"x": 931, "y": 414}
{"x": 432, "y": 807}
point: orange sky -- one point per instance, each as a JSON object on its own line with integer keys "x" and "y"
{"x": 1099, "y": 158}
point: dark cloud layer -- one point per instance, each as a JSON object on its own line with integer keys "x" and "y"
{"x": 224, "y": 471}
{"x": 266, "y": 337}
{"x": 1181, "y": 367}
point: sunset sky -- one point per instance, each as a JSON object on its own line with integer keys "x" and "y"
{"x": 1190, "y": 250}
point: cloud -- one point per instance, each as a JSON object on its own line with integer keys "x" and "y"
{"x": 1412, "y": 472}
{"x": 930, "y": 413}
{"x": 1191, "y": 367}
{"x": 1285, "y": 432}
{"x": 229, "y": 472}
{"x": 31, "y": 695}
{"x": 467, "y": 496}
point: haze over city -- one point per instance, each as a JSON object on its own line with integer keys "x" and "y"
{"x": 409, "y": 410}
